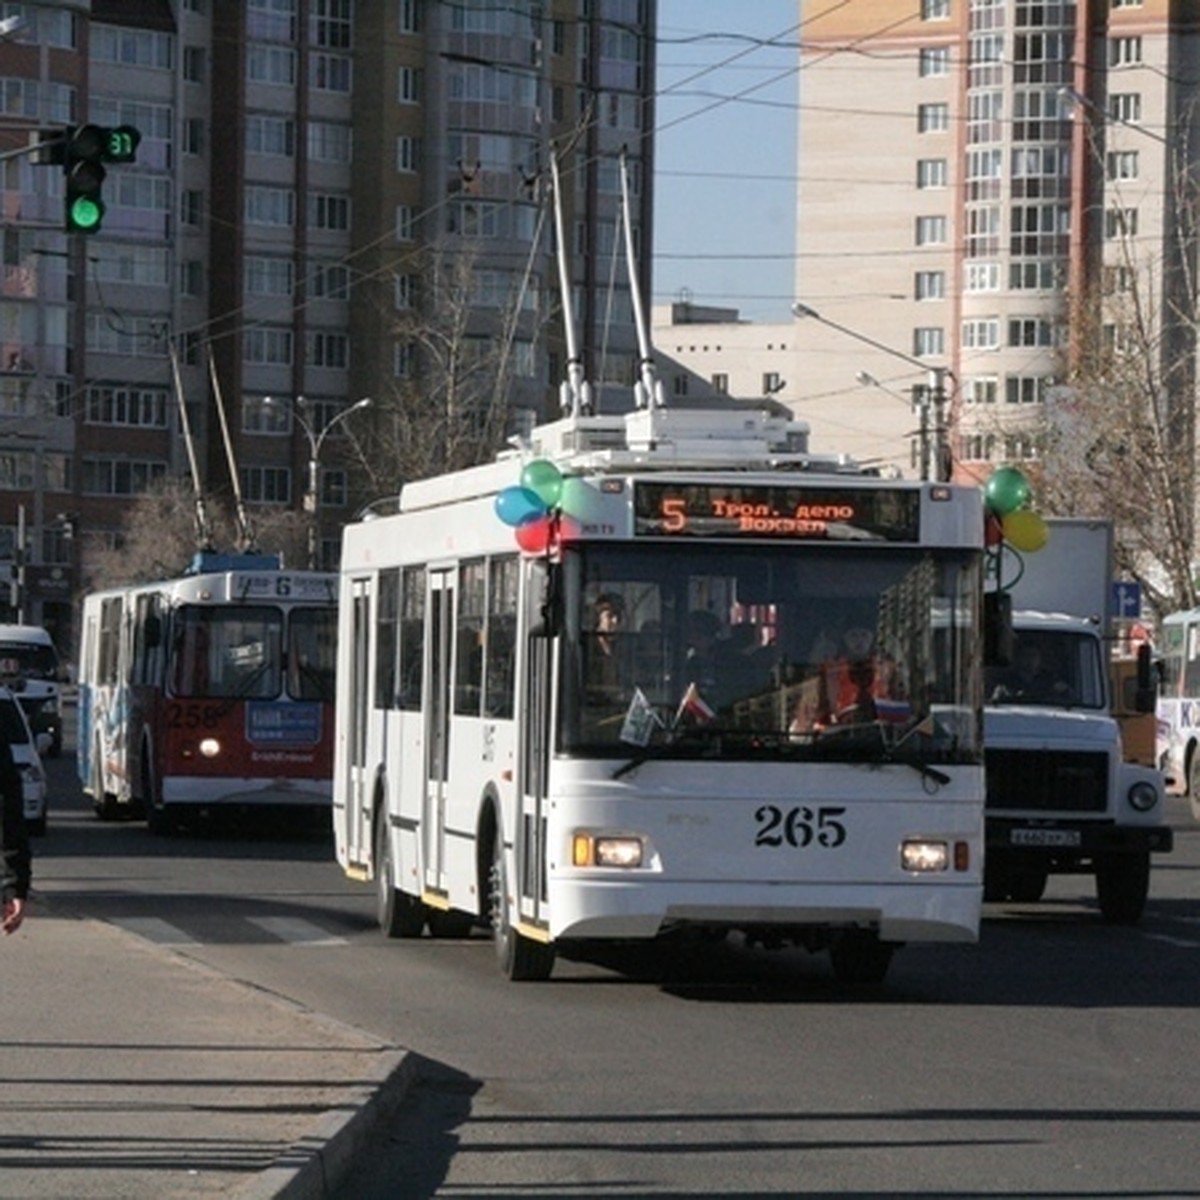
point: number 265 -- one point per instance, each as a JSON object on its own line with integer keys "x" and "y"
{"x": 800, "y": 826}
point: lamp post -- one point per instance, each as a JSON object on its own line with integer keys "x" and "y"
{"x": 935, "y": 394}
{"x": 919, "y": 399}
{"x": 316, "y": 439}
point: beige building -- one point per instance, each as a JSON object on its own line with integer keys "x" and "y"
{"x": 967, "y": 167}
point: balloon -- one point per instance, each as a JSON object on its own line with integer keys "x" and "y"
{"x": 534, "y": 536}
{"x": 1006, "y": 491}
{"x": 516, "y": 505}
{"x": 993, "y": 531}
{"x": 544, "y": 479}
{"x": 1025, "y": 530}
{"x": 580, "y": 499}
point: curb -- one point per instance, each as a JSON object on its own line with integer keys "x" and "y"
{"x": 316, "y": 1165}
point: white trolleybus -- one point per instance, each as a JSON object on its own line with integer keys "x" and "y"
{"x": 1178, "y": 709}
{"x": 213, "y": 689}
{"x": 665, "y": 671}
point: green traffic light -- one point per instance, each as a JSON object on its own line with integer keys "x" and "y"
{"x": 85, "y": 214}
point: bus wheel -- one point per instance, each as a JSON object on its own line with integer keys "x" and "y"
{"x": 450, "y": 923}
{"x": 520, "y": 957}
{"x": 103, "y": 803}
{"x": 858, "y": 956}
{"x": 159, "y": 821}
{"x": 400, "y": 915}
{"x": 1122, "y": 885}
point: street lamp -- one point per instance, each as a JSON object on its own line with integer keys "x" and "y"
{"x": 936, "y": 393}
{"x": 316, "y": 439}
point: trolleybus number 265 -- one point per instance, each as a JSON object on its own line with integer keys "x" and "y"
{"x": 800, "y": 826}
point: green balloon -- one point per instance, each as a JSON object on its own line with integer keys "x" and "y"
{"x": 544, "y": 478}
{"x": 1006, "y": 491}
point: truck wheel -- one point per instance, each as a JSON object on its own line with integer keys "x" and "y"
{"x": 520, "y": 958}
{"x": 1122, "y": 885}
{"x": 858, "y": 956}
{"x": 400, "y": 915}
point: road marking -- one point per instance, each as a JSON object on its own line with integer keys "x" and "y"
{"x": 156, "y": 930}
{"x": 296, "y": 932}
{"x": 1188, "y": 943}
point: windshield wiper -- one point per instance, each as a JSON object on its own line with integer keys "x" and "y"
{"x": 876, "y": 732}
{"x": 677, "y": 743}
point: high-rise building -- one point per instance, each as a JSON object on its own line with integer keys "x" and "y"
{"x": 975, "y": 176}
{"x": 308, "y": 173}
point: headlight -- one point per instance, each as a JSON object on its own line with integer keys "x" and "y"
{"x": 606, "y": 850}
{"x": 210, "y": 747}
{"x": 1143, "y": 796}
{"x": 924, "y": 856}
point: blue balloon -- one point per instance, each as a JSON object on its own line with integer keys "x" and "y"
{"x": 516, "y": 505}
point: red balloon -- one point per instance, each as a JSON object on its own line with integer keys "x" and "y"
{"x": 534, "y": 536}
{"x": 993, "y": 531}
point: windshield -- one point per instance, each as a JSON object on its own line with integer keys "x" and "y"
{"x": 232, "y": 651}
{"x": 771, "y": 651}
{"x": 32, "y": 661}
{"x": 1053, "y": 667}
{"x": 312, "y": 653}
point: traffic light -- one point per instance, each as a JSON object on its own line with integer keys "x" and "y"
{"x": 86, "y": 148}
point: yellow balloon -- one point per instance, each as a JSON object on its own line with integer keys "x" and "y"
{"x": 1025, "y": 530}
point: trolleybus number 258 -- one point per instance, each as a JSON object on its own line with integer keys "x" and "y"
{"x": 800, "y": 826}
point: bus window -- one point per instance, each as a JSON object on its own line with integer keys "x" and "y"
{"x": 386, "y": 617}
{"x": 468, "y": 656}
{"x": 312, "y": 654}
{"x": 501, "y": 637}
{"x": 412, "y": 638}
{"x": 231, "y": 652}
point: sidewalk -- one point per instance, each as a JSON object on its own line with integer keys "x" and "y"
{"x": 129, "y": 1071}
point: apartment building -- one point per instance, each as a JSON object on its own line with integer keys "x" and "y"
{"x": 974, "y": 175}
{"x": 305, "y": 169}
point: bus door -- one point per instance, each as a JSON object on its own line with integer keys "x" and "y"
{"x": 534, "y": 723}
{"x": 440, "y": 676}
{"x": 356, "y": 705}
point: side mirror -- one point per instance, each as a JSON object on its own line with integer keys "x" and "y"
{"x": 997, "y": 629}
{"x": 1146, "y": 698}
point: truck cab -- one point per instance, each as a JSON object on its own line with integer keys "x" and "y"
{"x": 30, "y": 668}
{"x": 1061, "y": 796}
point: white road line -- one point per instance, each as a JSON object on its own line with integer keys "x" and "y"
{"x": 1188, "y": 943}
{"x": 296, "y": 932}
{"x": 155, "y": 929}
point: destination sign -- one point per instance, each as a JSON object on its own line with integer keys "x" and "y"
{"x": 798, "y": 512}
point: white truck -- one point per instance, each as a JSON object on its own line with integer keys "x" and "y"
{"x": 1061, "y": 799}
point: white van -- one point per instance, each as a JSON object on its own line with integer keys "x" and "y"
{"x": 29, "y": 667}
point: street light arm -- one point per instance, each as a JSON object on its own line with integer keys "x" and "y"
{"x": 1077, "y": 98}
{"x": 804, "y": 311}
{"x": 317, "y": 440}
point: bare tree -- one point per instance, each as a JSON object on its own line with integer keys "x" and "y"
{"x": 455, "y": 408}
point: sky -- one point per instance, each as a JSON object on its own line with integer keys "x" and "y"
{"x": 725, "y": 171}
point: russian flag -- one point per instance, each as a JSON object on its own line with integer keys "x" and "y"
{"x": 694, "y": 705}
{"x": 893, "y": 710}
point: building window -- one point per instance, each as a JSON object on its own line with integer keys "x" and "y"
{"x": 328, "y": 281}
{"x": 409, "y": 16}
{"x": 931, "y": 231}
{"x": 267, "y": 485}
{"x": 267, "y": 276}
{"x": 191, "y": 207}
{"x": 404, "y": 223}
{"x": 266, "y": 415}
{"x": 329, "y": 142}
{"x": 933, "y": 118}
{"x": 981, "y": 389}
{"x": 405, "y": 292}
{"x": 408, "y": 85}
{"x": 408, "y": 158}
{"x": 1120, "y": 222}
{"x": 126, "y": 405}
{"x": 982, "y": 277}
{"x": 333, "y": 487}
{"x": 270, "y": 206}
{"x": 267, "y": 347}
{"x": 270, "y": 135}
{"x": 981, "y": 334}
{"x": 120, "y": 476}
{"x": 720, "y": 383}
{"x": 1120, "y": 165}
{"x": 329, "y": 73}
{"x": 1125, "y": 107}
{"x": 932, "y": 173}
{"x": 402, "y": 360}
{"x": 1124, "y": 51}
{"x": 191, "y": 277}
{"x": 1030, "y": 331}
{"x": 326, "y": 211}
{"x": 934, "y": 60}
{"x": 929, "y": 285}
{"x": 193, "y": 64}
{"x": 193, "y": 136}
{"x": 771, "y": 383}
{"x": 679, "y": 385}
{"x": 270, "y": 64}
{"x": 1024, "y": 389}
{"x": 929, "y": 340}
{"x": 935, "y": 10}
{"x": 323, "y": 348}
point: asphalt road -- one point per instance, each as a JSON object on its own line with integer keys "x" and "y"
{"x": 1057, "y": 1058}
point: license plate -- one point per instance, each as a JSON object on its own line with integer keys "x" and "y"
{"x": 1045, "y": 837}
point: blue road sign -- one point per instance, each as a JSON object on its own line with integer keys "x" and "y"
{"x": 1127, "y": 599}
